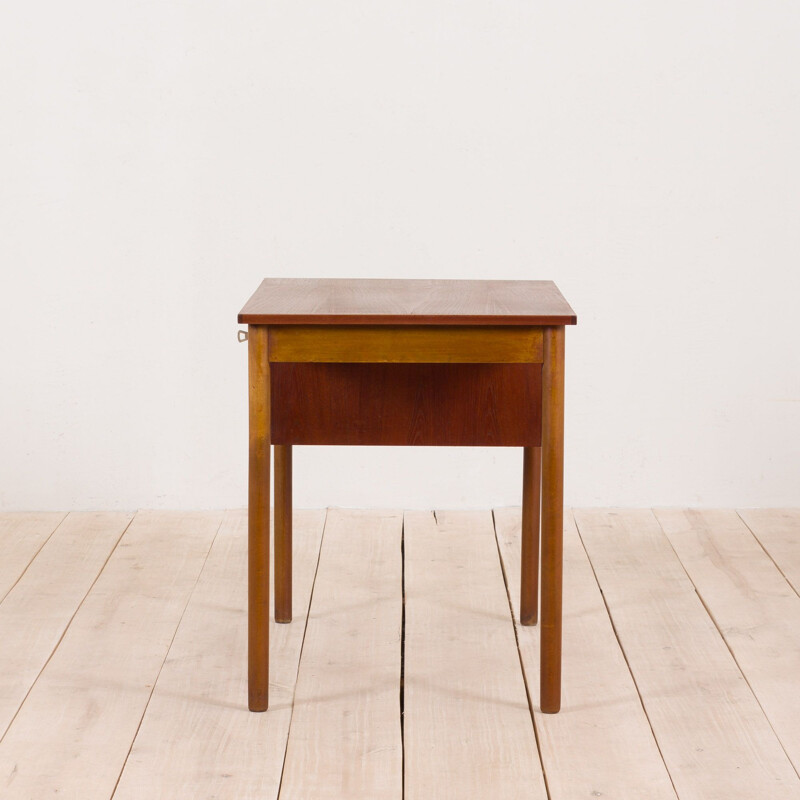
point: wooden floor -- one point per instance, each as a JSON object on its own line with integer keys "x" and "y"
{"x": 404, "y": 673}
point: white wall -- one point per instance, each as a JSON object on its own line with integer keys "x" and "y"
{"x": 159, "y": 158}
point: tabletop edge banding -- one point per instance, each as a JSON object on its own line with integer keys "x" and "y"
{"x": 404, "y": 319}
{"x": 393, "y": 301}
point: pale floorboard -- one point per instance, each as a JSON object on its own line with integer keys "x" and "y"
{"x": 22, "y": 535}
{"x": 74, "y": 731}
{"x": 468, "y": 732}
{"x": 601, "y": 716}
{"x": 36, "y": 612}
{"x": 198, "y": 738}
{"x": 655, "y": 686}
{"x": 714, "y": 737}
{"x": 778, "y": 530}
{"x": 753, "y": 606}
{"x": 344, "y": 739}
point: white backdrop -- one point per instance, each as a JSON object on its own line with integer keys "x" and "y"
{"x": 159, "y": 158}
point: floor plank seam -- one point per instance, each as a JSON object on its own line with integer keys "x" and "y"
{"x": 166, "y": 656}
{"x": 300, "y": 654}
{"x": 625, "y": 656}
{"x": 69, "y": 623}
{"x": 746, "y": 679}
{"x": 767, "y": 553}
{"x": 402, "y": 657}
{"x": 727, "y": 645}
{"x": 33, "y": 557}
{"x": 681, "y": 694}
{"x": 519, "y": 655}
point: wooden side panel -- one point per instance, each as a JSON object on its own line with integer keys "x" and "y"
{"x": 407, "y": 404}
{"x": 409, "y": 344}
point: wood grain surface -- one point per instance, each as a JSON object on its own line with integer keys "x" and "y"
{"x": 406, "y": 343}
{"x": 21, "y": 537}
{"x": 753, "y": 606}
{"x": 468, "y": 732}
{"x": 655, "y": 675}
{"x": 601, "y": 718}
{"x": 362, "y": 301}
{"x": 50, "y": 592}
{"x": 529, "y": 547}
{"x": 85, "y": 708}
{"x": 197, "y": 739}
{"x": 778, "y": 531}
{"x": 552, "y": 520}
{"x": 282, "y": 527}
{"x": 711, "y": 730}
{"x": 406, "y": 404}
{"x": 344, "y": 740}
{"x": 258, "y": 507}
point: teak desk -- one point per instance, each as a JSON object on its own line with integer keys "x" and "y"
{"x": 406, "y": 362}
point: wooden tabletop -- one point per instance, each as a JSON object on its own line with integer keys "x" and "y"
{"x": 378, "y": 301}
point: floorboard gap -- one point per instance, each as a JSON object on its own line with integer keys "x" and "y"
{"x": 69, "y": 623}
{"x": 403, "y": 657}
{"x": 166, "y": 654}
{"x": 767, "y": 553}
{"x": 722, "y": 636}
{"x": 519, "y": 655}
{"x": 302, "y": 645}
{"x": 33, "y": 557}
{"x": 625, "y": 656}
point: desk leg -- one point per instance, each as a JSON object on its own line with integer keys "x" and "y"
{"x": 552, "y": 517}
{"x": 531, "y": 493}
{"x": 283, "y": 533}
{"x": 258, "y": 520}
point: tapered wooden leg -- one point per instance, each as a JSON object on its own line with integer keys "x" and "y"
{"x": 531, "y": 492}
{"x": 283, "y": 533}
{"x": 552, "y": 517}
{"x": 258, "y": 521}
